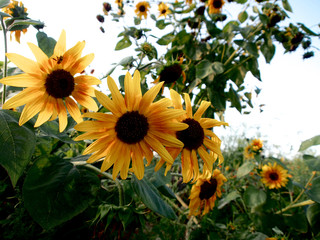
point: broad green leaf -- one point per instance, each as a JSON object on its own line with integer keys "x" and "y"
{"x": 286, "y": 5}
{"x": 314, "y": 191}
{"x": 149, "y": 195}
{"x": 124, "y": 62}
{"x": 217, "y": 99}
{"x": 5, "y": 14}
{"x": 218, "y": 67}
{"x": 245, "y": 169}
{"x": 252, "y": 49}
{"x": 309, "y": 143}
{"x": 227, "y": 199}
{"x": 123, "y": 43}
{"x": 301, "y": 225}
{"x": 264, "y": 18}
{"x": 268, "y": 51}
{"x": 204, "y": 68}
{"x": 253, "y": 67}
{"x": 234, "y": 98}
{"x": 161, "y": 24}
{"x": 254, "y": 197}
{"x": 17, "y": 144}
{"x": 45, "y": 43}
{"x": 166, "y": 39}
{"x": 183, "y": 37}
{"x": 21, "y": 24}
{"x": 4, "y": 3}
{"x": 137, "y": 21}
{"x": 313, "y": 216}
{"x": 55, "y": 191}
{"x": 243, "y": 16}
{"x": 312, "y": 162}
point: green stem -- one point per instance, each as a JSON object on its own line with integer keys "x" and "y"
{"x": 107, "y": 175}
{"x": 304, "y": 189}
{"x": 5, "y": 59}
{"x": 300, "y": 204}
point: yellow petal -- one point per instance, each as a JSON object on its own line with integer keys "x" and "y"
{"x": 203, "y": 107}
{"x": 93, "y": 126}
{"x": 73, "y": 54}
{"x": 137, "y": 89}
{"x": 176, "y": 99}
{"x": 206, "y": 157}
{"x": 73, "y": 109}
{"x": 126, "y": 155}
{"x": 166, "y": 139}
{"x": 62, "y": 113}
{"x": 41, "y": 57}
{"x": 129, "y": 89}
{"x": 137, "y": 162}
{"x": 46, "y": 111}
{"x": 81, "y": 64}
{"x": 159, "y": 148}
{"x": 148, "y": 97}
{"x": 85, "y": 100}
{"x": 23, "y": 80}
{"x": 24, "y": 97}
{"x": 85, "y": 79}
{"x": 91, "y": 135}
{"x": 60, "y": 47}
{"x": 110, "y": 159}
{"x": 99, "y": 144}
{"x": 120, "y": 159}
{"x": 107, "y": 103}
{"x": 187, "y": 101}
{"x": 195, "y": 165}
{"x": 30, "y": 110}
{"x": 210, "y": 123}
{"x": 186, "y": 165}
{"x": 164, "y": 115}
{"x": 116, "y": 96}
{"x": 25, "y": 64}
{"x": 101, "y": 116}
{"x": 146, "y": 151}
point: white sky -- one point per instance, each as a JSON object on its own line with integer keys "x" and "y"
{"x": 290, "y": 85}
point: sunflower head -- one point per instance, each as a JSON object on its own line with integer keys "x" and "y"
{"x": 119, "y": 3}
{"x": 141, "y": 9}
{"x": 253, "y": 148}
{"x": 106, "y": 8}
{"x": 215, "y": 6}
{"x": 274, "y": 176}
{"x": 204, "y": 193}
{"x": 51, "y": 87}
{"x": 170, "y": 74}
{"x": 163, "y": 9}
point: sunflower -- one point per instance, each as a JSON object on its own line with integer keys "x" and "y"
{"x": 215, "y": 6}
{"x": 197, "y": 138}
{"x": 205, "y": 191}
{"x": 257, "y": 145}
{"x": 163, "y": 9}
{"x": 253, "y": 148}
{"x": 189, "y": 2}
{"x": 50, "y": 84}
{"x": 135, "y": 127}
{"x": 274, "y": 176}
{"x": 141, "y": 9}
{"x": 17, "y": 11}
{"x": 119, "y": 3}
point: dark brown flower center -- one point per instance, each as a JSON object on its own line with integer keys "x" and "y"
{"x": 217, "y": 3}
{"x": 171, "y": 73}
{"x": 142, "y": 8}
{"x": 132, "y": 127}
{"x": 193, "y": 136}
{"x": 59, "y": 84}
{"x": 163, "y": 11}
{"x": 208, "y": 189}
{"x": 274, "y": 176}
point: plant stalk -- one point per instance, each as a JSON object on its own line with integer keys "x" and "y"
{"x": 5, "y": 65}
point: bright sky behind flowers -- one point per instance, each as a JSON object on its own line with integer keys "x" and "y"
{"x": 290, "y": 86}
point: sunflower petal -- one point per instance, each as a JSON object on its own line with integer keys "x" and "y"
{"x": 137, "y": 89}
{"x": 146, "y": 151}
{"x": 116, "y": 95}
{"x": 129, "y": 89}
{"x": 22, "y": 80}
{"x": 81, "y": 64}
{"x": 60, "y": 47}
{"x": 100, "y": 116}
{"x": 203, "y": 107}
{"x": 25, "y": 64}
{"x": 94, "y": 126}
{"x": 73, "y": 109}
{"x": 137, "y": 162}
{"x": 176, "y": 99}
{"x": 88, "y": 80}
{"x": 107, "y": 103}
{"x": 188, "y": 105}
{"x": 159, "y": 148}
{"x": 62, "y": 113}
{"x": 148, "y": 98}
{"x": 29, "y": 111}
{"x": 46, "y": 111}
{"x": 210, "y": 123}
{"x": 85, "y": 100}
{"x": 41, "y": 57}
{"x": 206, "y": 157}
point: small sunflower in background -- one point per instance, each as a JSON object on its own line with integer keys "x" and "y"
{"x": 198, "y": 138}
{"x": 141, "y": 9}
{"x": 51, "y": 87}
{"x": 205, "y": 191}
{"x": 135, "y": 128}
{"x": 274, "y": 176}
{"x": 119, "y": 3}
{"x": 106, "y": 8}
{"x": 163, "y": 9}
{"x": 215, "y": 6}
{"x": 189, "y": 2}
{"x": 254, "y": 148}
{"x": 18, "y": 12}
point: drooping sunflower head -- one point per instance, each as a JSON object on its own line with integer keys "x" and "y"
{"x": 215, "y": 6}
{"x": 204, "y": 193}
{"x": 141, "y": 9}
{"x": 106, "y": 8}
{"x": 198, "y": 139}
{"x": 51, "y": 87}
{"x": 274, "y": 176}
{"x": 135, "y": 128}
{"x": 163, "y": 9}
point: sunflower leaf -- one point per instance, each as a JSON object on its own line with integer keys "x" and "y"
{"x": 313, "y": 216}
{"x": 17, "y": 144}
{"x": 150, "y": 196}
{"x": 45, "y": 43}
{"x": 55, "y": 191}
{"x": 314, "y": 191}
{"x": 4, "y": 3}
{"x": 309, "y": 143}
{"x": 312, "y": 162}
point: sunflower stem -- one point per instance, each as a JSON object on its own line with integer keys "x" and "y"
{"x": 5, "y": 65}
{"x": 107, "y": 175}
{"x": 305, "y": 187}
{"x": 300, "y": 204}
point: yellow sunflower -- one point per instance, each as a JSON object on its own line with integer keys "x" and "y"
{"x": 119, "y": 3}
{"x": 198, "y": 138}
{"x": 141, "y": 9}
{"x": 253, "y": 148}
{"x": 16, "y": 10}
{"x": 257, "y": 145}
{"x": 205, "y": 191}
{"x": 135, "y": 127}
{"x": 163, "y": 9}
{"x": 50, "y": 85}
{"x": 215, "y": 6}
{"x": 274, "y": 176}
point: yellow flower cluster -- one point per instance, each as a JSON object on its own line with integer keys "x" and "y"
{"x": 253, "y": 148}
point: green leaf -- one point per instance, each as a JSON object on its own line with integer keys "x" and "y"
{"x": 166, "y": 39}
{"x": 243, "y": 16}
{"x": 301, "y": 225}
{"x": 161, "y": 24}
{"x": 252, "y": 49}
{"x": 4, "y": 3}
{"x": 123, "y": 43}
{"x": 234, "y": 98}
{"x": 218, "y": 67}
{"x": 312, "y": 162}
{"x": 149, "y": 195}
{"x": 55, "y": 191}
{"x": 123, "y": 62}
{"x": 254, "y": 197}
{"x": 307, "y": 30}
{"x": 17, "y": 144}
{"x": 313, "y": 216}
{"x": 227, "y": 199}
{"x": 137, "y": 21}
{"x": 244, "y": 169}
{"x": 18, "y": 24}
{"x": 217, "y": 99}
{"x": 309, "y": 143}
{"x": 286, "y": 5}
{"x": 45, "y": 43}
{"x": 253, "y": 67}
{"x": 268, "y": 51}
{"x": 204, "y": 68}
{"x": 5, "y": 14}
{"x": 314, "y": 191}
